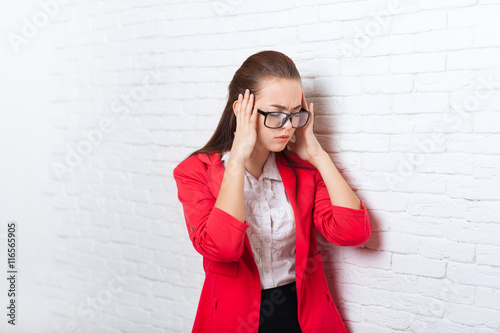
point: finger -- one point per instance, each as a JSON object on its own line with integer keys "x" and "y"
{"x": 250, "y": 105}
{"x": 311, "y": 117}
{"x": 254, "y": 115}
{"x": 304, "y": 103}
{"x": 245, "y": 100}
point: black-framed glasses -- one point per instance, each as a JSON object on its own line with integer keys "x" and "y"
{"x": 279, "y": 119}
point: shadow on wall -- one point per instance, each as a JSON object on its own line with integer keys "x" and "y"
{"x": 342, "y": 264}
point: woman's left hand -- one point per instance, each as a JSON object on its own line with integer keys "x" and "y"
{"x": 306, "y": 145}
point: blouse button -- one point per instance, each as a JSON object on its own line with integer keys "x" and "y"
{"x": 267, "y": 269}
{"x": 258, "y": 189}
{"x": 267, "y": 239}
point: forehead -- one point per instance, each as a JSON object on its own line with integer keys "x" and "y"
{"x": 280, "y": 91}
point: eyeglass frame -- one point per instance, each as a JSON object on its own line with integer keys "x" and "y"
{"x": 288, "y": 116}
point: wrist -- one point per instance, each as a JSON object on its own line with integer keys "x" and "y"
{"x": 320, "y": 158}
{"x": 236, "y": 162}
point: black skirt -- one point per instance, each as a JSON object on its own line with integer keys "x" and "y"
{"x": 278, "y": 310}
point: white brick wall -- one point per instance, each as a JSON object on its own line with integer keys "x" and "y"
{"x": 408, "y": 93}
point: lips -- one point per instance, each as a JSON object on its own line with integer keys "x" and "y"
{"x": 283, "y": 138}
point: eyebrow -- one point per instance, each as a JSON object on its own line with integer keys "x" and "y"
{"x": 284, "y": 108}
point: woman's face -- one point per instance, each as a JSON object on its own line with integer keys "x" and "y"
{"x": 277, "y": 95}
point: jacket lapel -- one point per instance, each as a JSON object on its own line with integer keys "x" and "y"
{"x": 301, "y": 230}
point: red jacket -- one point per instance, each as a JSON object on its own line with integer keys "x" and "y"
{"x": 230, "y": 298}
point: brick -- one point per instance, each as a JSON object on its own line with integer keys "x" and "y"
{"x": 342, "y": 12}
{"x": 339, "y": 86}
{"x": 471, "y": 274}
{"x": 122, "y": 236}
{"x": 468, "y": 187}
{"x": 287, "y": 35}
{"x": 446, "y": 290}
{"x": 417, "y": 265}
{"x": 360, "y": 33}
{"x": 423, "y": 147}
{"x": 470, "y": 232}
{"x": 443, "y": 81}
{"x": 473, "y": 16}
{"x": 319, "y": 67}
{"x": 488, "y": 255}
{"x": 360, "y": 142}
{"x": 424, "y": 324}
{"x": 442, "y": 40}
{"x": 343, "y": 274}
{"x": 319, "y": 32}
{"x": 388, "y": 280}
{"x": 474, "y": 144}
{"x": 365, "y": 66}
{"x": 367, "y": 257}
{"x": 440, "y": 123}
{"x": 367, "y": 104}
{"x": 472, "y": 59}
{"x": 387, "y": 84}
{"x": 420, "y": 103}
{"x": 149, "y": 211}
{"x": 134, "y": 253}
{"x": 434, "y": 206}
{"x": 366, "y": 296}
{"x": 484, "y": 122}
{"x": 419, "y": 22}
{"x": 429, "y": 4}
{"x": 387, "y": 201}
{"x": 146, "y": 182}
{"x": 418, "y": 63}
{"x": 387, "y": 45}
{"x": 484, "y": 35}
{"x": 472, "y": 316}
{"x": 337, "y": 124}
{"x": 445, "y": 249}
{"x": 481, "y": 211}
{"x": 487, "y": 298}
{"x": 393, "y": 242}
{"x": 351, "y": 161}
{"x": 351, "y": 311}
{"x": 426, "y": 306}
{"x": 384, "y": 317}
{"x": 389, "y": 124}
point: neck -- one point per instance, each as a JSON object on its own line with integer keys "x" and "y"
{"x": 255, "y": 163}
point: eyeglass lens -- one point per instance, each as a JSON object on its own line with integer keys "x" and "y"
{"x": 277, "y": 120}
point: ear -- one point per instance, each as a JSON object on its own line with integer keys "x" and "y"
{"x": 234, "y": 106}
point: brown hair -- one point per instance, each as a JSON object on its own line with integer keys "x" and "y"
{"x": 254, "y": 70}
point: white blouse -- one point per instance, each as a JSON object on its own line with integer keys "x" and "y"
{"x": 271, "y": 224}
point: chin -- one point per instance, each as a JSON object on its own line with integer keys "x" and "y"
{"x": 278, "y": 148}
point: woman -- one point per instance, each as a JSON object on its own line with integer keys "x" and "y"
{"x": 250, "y": 207}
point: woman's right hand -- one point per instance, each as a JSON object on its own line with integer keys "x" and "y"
{"x": 246, "y": 132}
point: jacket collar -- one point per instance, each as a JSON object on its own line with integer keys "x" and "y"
{"x": 270, "y": 169}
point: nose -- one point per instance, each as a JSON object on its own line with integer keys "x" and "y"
{"x": 288, "y": 124}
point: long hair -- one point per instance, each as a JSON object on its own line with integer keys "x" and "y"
{"x": 254, "y": 70}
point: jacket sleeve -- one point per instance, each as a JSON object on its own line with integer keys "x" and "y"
{"x": 339, "y": 225}
{"x": 214, "y": 233}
